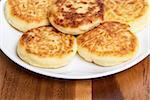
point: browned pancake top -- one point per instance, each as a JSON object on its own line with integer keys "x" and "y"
{"x": 46, "y": 41}
{"x": 30, "y": 10}
{"x": 124, "y": 10}
{"x": 109, "y": 38}
{"x": 72, "y": 13}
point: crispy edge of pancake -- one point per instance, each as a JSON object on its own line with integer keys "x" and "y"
{"x": 106, "y": 60}
{"x": 20, "y": 24}
{"x": 103, "y": 61}
{"x": 75, "y": 31}
{"x": 45, "y": 62}
{"x": 141, "y": 22}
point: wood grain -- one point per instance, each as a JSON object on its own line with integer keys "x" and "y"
{"x": 83, "y": 90}
{"x": 106, "y": 89}
{"x": 17, "y": 83}
{"x": 135, "y": 83}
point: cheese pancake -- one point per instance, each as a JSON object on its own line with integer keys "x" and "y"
{"x": 46, "y": 47}
{"x": 27, "y": 14}
{"x": 133, "y": 12}
{"x": 109, "y": 44}
{"x": 76, "y": 16}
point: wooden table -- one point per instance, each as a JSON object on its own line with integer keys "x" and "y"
{"x": 17, "y": 83}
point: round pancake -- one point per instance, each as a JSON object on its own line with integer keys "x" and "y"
{"x": 109, "y": 44}
{"x": 46, "y": 47}
{"x": 76, "y": 16}
{"x": 133, "y": 12}
{"x": 27, "y": 14}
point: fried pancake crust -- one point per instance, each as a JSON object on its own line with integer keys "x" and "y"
{"x": 133, "y": 12}
{"x": 124, "y": 10}
{"x": 110, "y": 40}
{"x": 46, "y": 47}
{"x": 27, "y": 14}
{"x": 76, "y": 16}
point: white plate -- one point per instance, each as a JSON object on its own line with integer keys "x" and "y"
{"x": 77, "y": 68}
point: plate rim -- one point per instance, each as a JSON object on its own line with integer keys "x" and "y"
{"x": 62, "y": 76}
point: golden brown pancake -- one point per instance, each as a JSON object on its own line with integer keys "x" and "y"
{"x": 76, "y": 16}
{"x": 111, "y": 43}
{"x": 46, "y": 47}
{"x": 133, "y": 12}
{"x": 27, "y": 14}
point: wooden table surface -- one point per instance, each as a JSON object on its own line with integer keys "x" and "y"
{"x": 17, "y": 83}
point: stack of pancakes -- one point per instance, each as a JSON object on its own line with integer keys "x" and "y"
{"x": 105, "y": 30}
